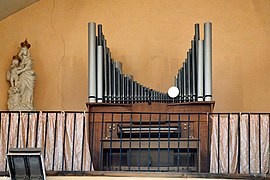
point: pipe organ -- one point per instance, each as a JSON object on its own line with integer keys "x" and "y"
{"x": 108, "y": 83}
{"x": 143, "y": 118}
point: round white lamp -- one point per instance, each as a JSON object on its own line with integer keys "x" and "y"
{"x": 173, "y": 92}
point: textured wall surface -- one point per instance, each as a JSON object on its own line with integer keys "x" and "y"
{"x": 151, "y": 38}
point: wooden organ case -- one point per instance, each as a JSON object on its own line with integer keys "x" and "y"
{"x": 119, "y": 136}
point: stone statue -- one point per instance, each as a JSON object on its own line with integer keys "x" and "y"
{"x": 22, "y": 79}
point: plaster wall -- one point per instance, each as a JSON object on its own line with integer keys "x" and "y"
{"x": 151, "y": 38}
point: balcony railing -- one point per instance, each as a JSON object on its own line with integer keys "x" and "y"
{"x": 230, "y": 143}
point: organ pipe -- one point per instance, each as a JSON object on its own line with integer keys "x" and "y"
{"x": 105, "y": 70}
{"x": 109, "y": 76}
{"x": 200, "y": 73}
{"x": 92, "y": 62}
{"x": 100, "y": 66}
{"x": 108, "y": 83}
{"x": 193, "y": 71}
{"x": 208, "y": 60}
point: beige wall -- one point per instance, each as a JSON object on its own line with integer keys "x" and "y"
{"x": 151, "y": 38}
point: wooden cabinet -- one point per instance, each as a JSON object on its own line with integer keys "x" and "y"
{"x": 118, "y": 131}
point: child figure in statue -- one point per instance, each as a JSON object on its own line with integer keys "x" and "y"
{"x": 12, "y": 74}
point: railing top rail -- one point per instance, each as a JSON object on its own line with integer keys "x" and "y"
{"x": 172, "y": 113}
{"x": 53, "y": 111}
{"x": 223, "y": 113}
{"x": 137, "y": 113}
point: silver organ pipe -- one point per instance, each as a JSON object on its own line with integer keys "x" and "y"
{"x": 195, "y": 76}
{"x": 185, "y": 81}
{"x": 100, "y": 65}
{"x": 122, "y": 90}
{"x": 200, "y": 71}
{"x": 193, "y": 71}
{"x": 188, "y": 76}
{"x": 105, "y": 69}
{"x": 208, "y": 61}
{"x": 118, "y": 87}
{"x": 92, "y": 62}
{"x": 113, "y": 79}
{"x": 135, "y": 91}
{"x": 108, "y": 83}
{"x": 109, "y": 88}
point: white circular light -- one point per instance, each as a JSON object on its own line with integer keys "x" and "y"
{"x": 173, "y": 92}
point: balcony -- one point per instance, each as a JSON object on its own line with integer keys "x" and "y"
{"x": 113, "y": 143}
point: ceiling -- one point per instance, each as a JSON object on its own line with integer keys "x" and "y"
{"x": 9, "y": 7}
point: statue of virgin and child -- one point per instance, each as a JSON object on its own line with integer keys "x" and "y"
{"x": 22, "y": 80}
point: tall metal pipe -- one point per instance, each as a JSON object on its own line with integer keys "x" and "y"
{"x": 188, "y": 75}
{"x": 109, "y": 76}
{"x": 185, "y": 81}
{"x": 105, "y": 70}
{"x": 196, "y": 39}
{"x": 92, "y": 62}
{"x": 99, "y": 73}
{"x": 208, "y": 60}
{"x": 100, "y": 65}
{"x": 114, "y": 78}
{"x": 193, "y": 71}
{"x": 200, "y": 73}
